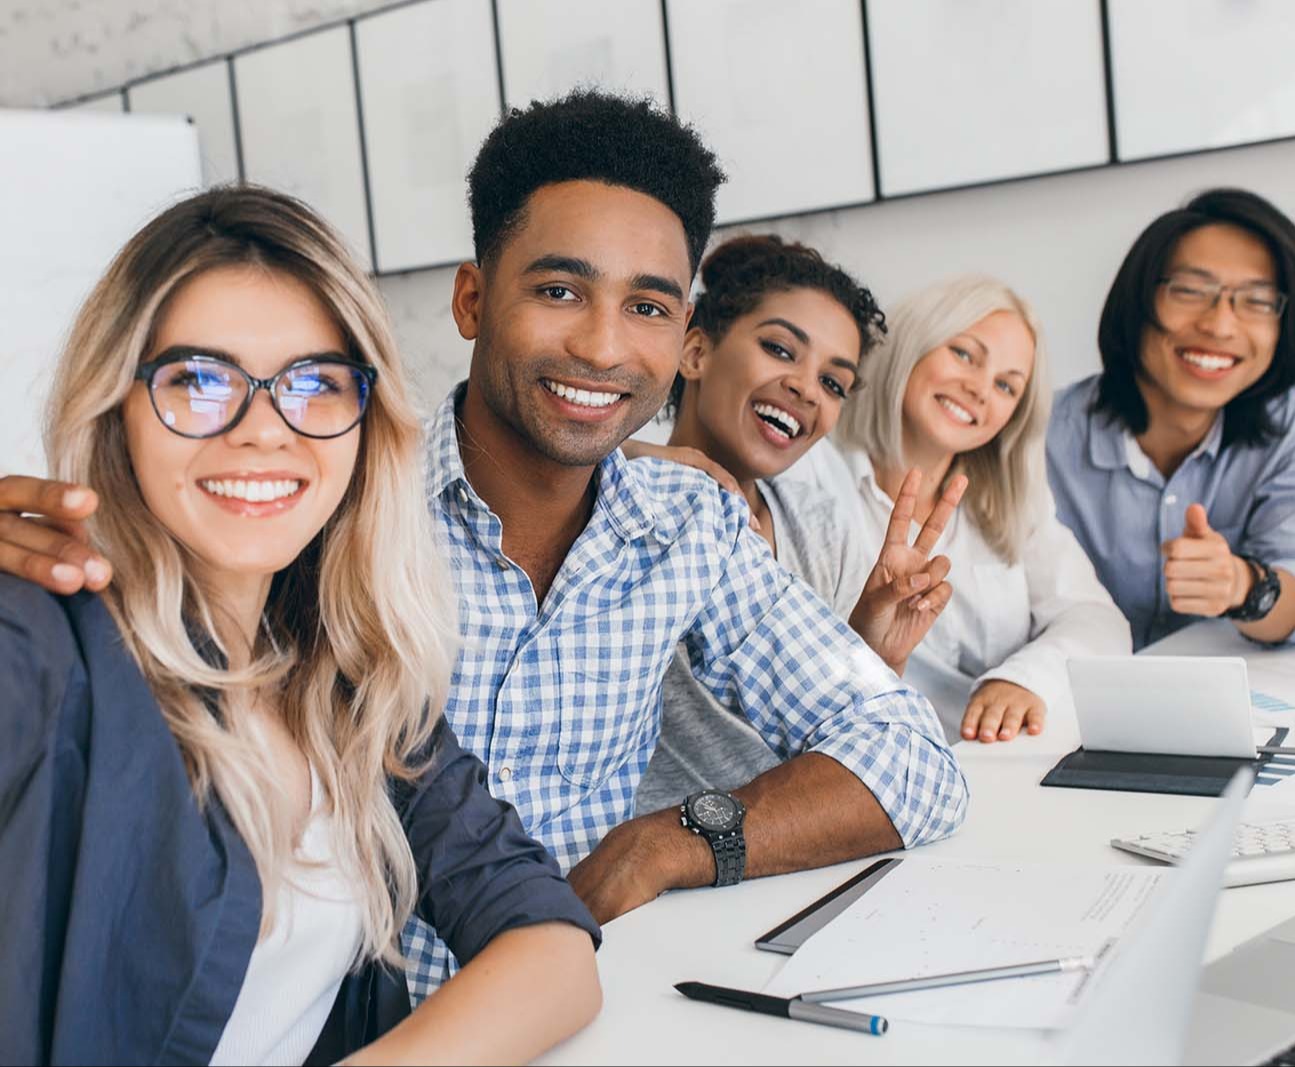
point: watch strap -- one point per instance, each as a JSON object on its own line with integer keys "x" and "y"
{"x": 730, "y": 857}
{"x": 1266, "y": 583}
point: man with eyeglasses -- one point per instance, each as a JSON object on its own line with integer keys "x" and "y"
{"x": 1175, "y": 466}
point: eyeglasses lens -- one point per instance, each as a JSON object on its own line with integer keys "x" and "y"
{"x": 197, "y": 396}
{"x": 322, "y": 399}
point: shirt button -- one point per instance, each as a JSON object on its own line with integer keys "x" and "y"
{"x": 463, "y": 495}
{"x": 502, "y": 563}
{"x": 1171, "y": 499}
{"x": 505, "y": 774}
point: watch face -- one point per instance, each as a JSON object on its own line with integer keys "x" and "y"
{"x": 1267, "y": 599}
{"x": 714, "y": 811}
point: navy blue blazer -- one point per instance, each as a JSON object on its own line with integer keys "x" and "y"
{"x": 127, "y": 915}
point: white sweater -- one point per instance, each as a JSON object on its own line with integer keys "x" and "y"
{"x": 1017, "y": 622}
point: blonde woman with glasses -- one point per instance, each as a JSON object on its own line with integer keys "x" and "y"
{"x": 224, "y": 782}
{"x": 959, "y": 387}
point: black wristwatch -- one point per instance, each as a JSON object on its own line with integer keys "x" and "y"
{"x": 1263, "y": 594}
{"x": 718, "y": 818}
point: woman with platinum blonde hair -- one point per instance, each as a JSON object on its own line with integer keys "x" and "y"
{"x": 225, "y": 784}
{"x": 959, "y": 387}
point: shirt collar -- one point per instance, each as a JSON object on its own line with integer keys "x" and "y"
{"x": 865, "y": 477}
{"x": 621, "y": 492}
{"x": 1111, "y": 446}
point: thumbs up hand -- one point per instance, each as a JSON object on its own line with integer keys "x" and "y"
{"x": 1202, "y": 576}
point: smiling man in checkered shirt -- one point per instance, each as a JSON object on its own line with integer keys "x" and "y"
{"x": 579, "y": 572}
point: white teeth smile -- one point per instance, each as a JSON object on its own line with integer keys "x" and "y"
{"x": 1208, "y": 361}
{"x": 253, "y": 492}
{"x": 956, "y": 410}
{"x": 584, "y": 397}
{"x": 783, "y": 422}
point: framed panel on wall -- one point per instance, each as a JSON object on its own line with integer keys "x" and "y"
{"x": 970, "y": 91}
{"x": 430, "y": 92}
{"x": 300, "y": 128}
{"x": 552, "y": 47}
{"x": 780, "y": 93}
{"x": 205, "y": 95}
{"x": 1200, "y": 74}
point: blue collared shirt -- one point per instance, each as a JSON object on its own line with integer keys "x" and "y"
{"x": 1123, "y": 509}
{"x": 562, "y": 701}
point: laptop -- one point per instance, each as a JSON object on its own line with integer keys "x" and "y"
{"x": 1151, "y": 1003}
{"x": 1175, "y": 705}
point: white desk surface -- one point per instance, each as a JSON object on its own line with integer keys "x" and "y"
{"x": 707, "y": 934}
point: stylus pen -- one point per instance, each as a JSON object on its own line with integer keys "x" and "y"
{"x": 793, "y": 1008}
{"x": 1275, "y": 750}
{"x": 935, "y": 981}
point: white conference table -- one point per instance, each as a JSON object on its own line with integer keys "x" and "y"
{"x": 707, "y": 934}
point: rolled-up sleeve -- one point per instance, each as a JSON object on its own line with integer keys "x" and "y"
{"x": 479, "y": 872}
{"x": 766, "y": 643}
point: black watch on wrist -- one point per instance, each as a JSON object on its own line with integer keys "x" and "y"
{"x": 718, "y": 818}
{"x": 1263, "y": 594}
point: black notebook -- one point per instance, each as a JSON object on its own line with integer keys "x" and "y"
{"x": 1142, "y": 772}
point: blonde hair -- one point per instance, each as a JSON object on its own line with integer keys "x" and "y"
{"x": 1003, "y": 473}
{"x": 359, "y": 633}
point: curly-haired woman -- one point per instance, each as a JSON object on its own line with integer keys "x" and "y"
{"x": 772, "y": 352}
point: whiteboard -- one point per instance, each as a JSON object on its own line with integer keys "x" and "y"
{"x": 968, "y": 91}
{"x": 74, "y": 187}
{"x": 300, "y": 127}
{"x": 431, "y": 94}
{"x": 204, "y": 95}
{"x": 1196, "y": 74}
{"x": 779, "y": 92}
{"x": 550, "y": 48}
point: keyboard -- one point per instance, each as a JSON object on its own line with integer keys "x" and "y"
{"x": 1261, "y": 852}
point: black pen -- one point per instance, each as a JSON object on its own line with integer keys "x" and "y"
{"x": 793, "y": 1008}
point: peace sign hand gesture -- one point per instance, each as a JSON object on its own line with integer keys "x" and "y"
{"x": 906, "y": 592}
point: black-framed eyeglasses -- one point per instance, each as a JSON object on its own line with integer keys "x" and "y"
{"x": 198, "y": 395}
{"x": 1252, "y": 301}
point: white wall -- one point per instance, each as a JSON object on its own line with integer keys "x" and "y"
{"x": 1057, "y": 239}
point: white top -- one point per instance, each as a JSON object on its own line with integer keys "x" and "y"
{"x": 1016, "y": 622}
{"x": 296, "y": 970}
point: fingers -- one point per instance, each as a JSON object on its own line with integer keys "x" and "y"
{"x": 973, "y": 718}
{"x": 999, "y": 710}
{"x": 936, "y": 600}
{"x": 901, "y": 515}
{"x": 39, "y": 496}
{"x": 49, "y": 557}
{"x": 940, "y": 514}
{"x": 1210, "y": 568}
{"x": 1209, "y": 547}
{"x": 1013, "y": 716}
{"x": 1196, "y": 523}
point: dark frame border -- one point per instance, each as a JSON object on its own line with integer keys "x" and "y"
{"x": 879, "y": 197}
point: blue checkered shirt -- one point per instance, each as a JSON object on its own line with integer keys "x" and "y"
{"x": 563, "y": 702}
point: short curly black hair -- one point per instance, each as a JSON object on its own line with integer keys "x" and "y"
{"x": 592, "y": 136}
{"x": 742, "y": 271}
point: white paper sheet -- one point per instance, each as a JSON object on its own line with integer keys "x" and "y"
{"x": 930, "y": 917}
